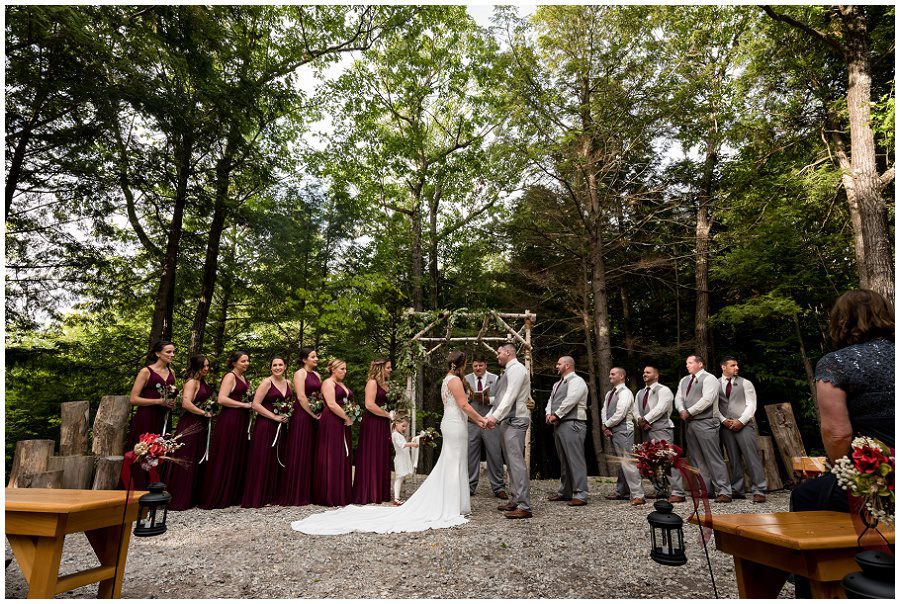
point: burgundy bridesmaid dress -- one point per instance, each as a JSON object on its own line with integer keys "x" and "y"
{"x": 332, "y": 475}
{"x": 263, "y": 469}
{"x": 223, "y": 480}
{"x": 372, "y": 481}
{"x": 148, "y": 419}
{"x": 299, "y": 451}
{"x": 184, "y": 479}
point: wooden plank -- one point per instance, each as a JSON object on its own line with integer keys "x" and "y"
{"x": 42, "y": 524}
{"x": 770, "y": 465}
{"x": 63, "y": 500}
{"x": 85, "y": 577}
{"x": 73, "y": 428}
{"x": 23, "y": 547}
{"x": 755, "y": 580}
{"x": 786, "y": 434}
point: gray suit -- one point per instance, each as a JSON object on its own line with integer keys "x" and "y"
{"x": 743, "y": 443}
{"x": 654, "y": 404}
{"x": 568, "y": 402}
{"x": 698, "y": 397}
{"x": 617, "y": 408}
{"x": 513, "y": 418}
{"x": 489, "y": 439}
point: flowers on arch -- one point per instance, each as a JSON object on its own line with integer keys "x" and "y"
{"x": 868, "y": 473}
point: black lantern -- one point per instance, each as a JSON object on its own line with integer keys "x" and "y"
{"x": 151, "y": 520}
{"x": 876, "y": 581}
{"x": 666, "y": 535}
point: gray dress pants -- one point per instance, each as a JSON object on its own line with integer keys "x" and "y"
{"x": 512, "y": 435}
{"x": 743, "y": 445}
{"x": 493, "y": 450}
{"x": 667, "y": 434}
{"x": 705, "y": 452}
{"x": 569, "y": 438}
{"x": 628, "y": 482}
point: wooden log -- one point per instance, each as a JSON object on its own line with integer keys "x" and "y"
{"x": 107, "y": 474}
{"x": 77, "y": 470}
{"x": 73, "y": 431}
{"x": 30, "y": 459}
{"x": 111, "y": 425}
{"x": 770, "y": 465}
{"x": 42, "y": 480}
{"x": 786, "y": 435}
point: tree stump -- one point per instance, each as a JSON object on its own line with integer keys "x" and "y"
{"x": 77, "y": 470}
{"x": 30, "y": 459}
{"x": 770, "y": 465}
{"x": 42, "y": 480}
{"x": 786, "y": 435}
{"x": 109, "y": 469}
{"x": 110, "y": 426}
{"x": 73, "y": 431}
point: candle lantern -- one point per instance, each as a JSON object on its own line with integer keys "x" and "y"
{"x": 666, "y": 535}
{"x": 876, "y": 581}
{"x": 152, "y": 510}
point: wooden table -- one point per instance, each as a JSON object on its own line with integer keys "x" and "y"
{"x": 768, "y": 547}
{"x": 38, "y": 520}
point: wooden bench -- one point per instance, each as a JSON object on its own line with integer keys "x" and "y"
{"x": 809, "y": 467}
{"x": 38, "y": 520}
{"x": 768, "y": 547}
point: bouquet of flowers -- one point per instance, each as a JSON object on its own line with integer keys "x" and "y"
{"x": 868, "y": 473}
{"x": 153, "y": 447}
{"x": 283, "y": 407}
{"x": 316, "y": 402}
{"x": 429, "y": 437}
{"x": 248, "y": 398}
{"x": 353, "y": 411}
{"x": 168, "y": 392}
{"x": 655, "y": 459}
{"x": 210, "y": 406}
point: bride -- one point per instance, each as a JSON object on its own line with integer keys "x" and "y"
{"x": 443, "y": 498}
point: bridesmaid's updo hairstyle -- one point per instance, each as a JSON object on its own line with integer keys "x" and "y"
{"x": 376, "y": 371}
{"x": 157, "y": 347}
{"x": 235, "y": 357}
{"x": 195, "y": 366}
{"x": 304, "y": 354}
{"x": 334, "y": 364}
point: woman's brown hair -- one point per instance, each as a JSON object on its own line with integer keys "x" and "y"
{"x": 376, "y": 371}
{"x": 860, "y": 315}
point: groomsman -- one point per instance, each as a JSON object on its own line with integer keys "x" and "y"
{"x": 617, "y": 425}
{"x": 567, "y": 412}
{"x": 697, "y": 393}
{"x": 482, "y": 382}
{"x": 652, "y": 408}
{"x": 511, "y": 413}
{"x": 736, "y": 408}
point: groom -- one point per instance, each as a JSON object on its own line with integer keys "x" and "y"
{"x": 511, "y": 412}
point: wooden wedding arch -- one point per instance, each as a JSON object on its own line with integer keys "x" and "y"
{"x": 492, "y": 323}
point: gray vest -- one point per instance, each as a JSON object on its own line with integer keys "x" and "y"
{"x": 662, "y": 422}
{"x": 696, "y": 393}
{"x": 499, "y": 391}
{"x": 734, "y": 406}
{"x": 560, "y": 391}
{"x": 609, "y": 409}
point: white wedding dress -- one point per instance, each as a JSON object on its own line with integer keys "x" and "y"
{"x": 440, "y": 502}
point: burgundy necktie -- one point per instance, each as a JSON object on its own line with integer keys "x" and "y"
{"x": 609, "y": 397}
{"x": 479, "y": 384}
{"x": 691, "y": 383}
{"x": 644, "y": 402}
{"x": 728, "y": 389}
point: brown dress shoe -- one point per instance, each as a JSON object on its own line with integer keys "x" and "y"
{"x": 759, "y": 498}
{"x": 517, "y": 514}
{"x": 676, "y": 499}
{"x": 616, "y": 497}
{"x": 506, "y": 507}
{"x": 577, "y": 502}
{"x": 638, "y": 501}
{"x": 501, "y": 495}
{"x": 557, "y": 498}
{"x": 723, "y": 499}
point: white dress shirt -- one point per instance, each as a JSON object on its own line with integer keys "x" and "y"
{"x": 749, "y": 396}
{"x": 515, "y": 398}
{"x": 709, "y": 396}
{"x": 624, "y": 401}
{"x": 662, "y": 407}
{"x": 576, "y": 395}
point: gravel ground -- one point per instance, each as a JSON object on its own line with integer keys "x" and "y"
{"x": 594, "y": 551}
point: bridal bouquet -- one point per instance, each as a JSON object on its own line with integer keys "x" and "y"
{"x": 429, "y": 437}
{"x": 868, "y": 473}
{"x": 316, "y": 402}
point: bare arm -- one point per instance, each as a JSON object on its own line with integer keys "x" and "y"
{"x": 459, "y": 394}
{"x": 187, "y": 397}
{"x": 225, "y": 389}
{"x": 834, "y": 419}
{"x": 331, "y": 401}
{"x": 257, "y": 405}
{"x": 140, "y": 381}
{"x": 371, "y": 406}
{"x": 300, "y": 389}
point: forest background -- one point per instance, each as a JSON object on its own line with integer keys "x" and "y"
{"x": 650, "y": 180}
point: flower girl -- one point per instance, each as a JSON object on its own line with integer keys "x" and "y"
{"x": 403, "y": 465}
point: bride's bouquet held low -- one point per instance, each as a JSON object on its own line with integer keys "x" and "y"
{"x": 428, "y": 436}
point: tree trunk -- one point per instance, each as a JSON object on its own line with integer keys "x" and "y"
{"x": 73, "y": 428}
{"x": 110, "y": 425}
{"x": 109, "y": 470}
{"x": 15, "y": 167}
{"x": 161, "y": 328}
{"x": 226, "y": 289}
{"x": 433, "y": 251}
{"x": 211, "y": 263}
{"x": 30, "y": 459}
{"x": 701, "y": 268}
{"x": 596, "y": 428}
{"x": 878, "y": 260}
{"x": 51, "y": 479}
{"x": 807, "y": 365}
{"x": 629, "y": 338}
{"x": 416, "y": 217}
{"x": 77, "y": 470}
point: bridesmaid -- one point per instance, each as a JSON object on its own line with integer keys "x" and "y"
{"x": 296, "y": 483}
{"x": 332, "y": 472}
{"x": 223, "y": 480}
{"x": 263, "y": 469}
{"x": 151, "y": 407}
{"x": 183, "y": 480}
{"x": 372, "y": 481}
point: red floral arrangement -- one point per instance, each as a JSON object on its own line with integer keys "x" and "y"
{"x": 655, "y": 458}
{"x": 868, "y": 473}
{"x": 153, "y": 447}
